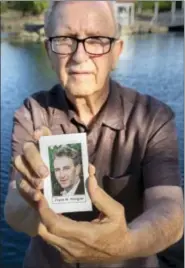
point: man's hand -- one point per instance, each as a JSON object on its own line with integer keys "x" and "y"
{"x": 32, "y": 169}
{"x": 103, "y": 240}
{"x": 29, "y": 179}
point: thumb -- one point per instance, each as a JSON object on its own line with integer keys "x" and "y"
{"x": 47, "y": 215}
{"x": 102, "y": 201}
{"x": 42, "y": 131}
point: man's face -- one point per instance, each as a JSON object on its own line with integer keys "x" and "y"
{"x": 82, "y": 19}
{"x": 66, "y": 172}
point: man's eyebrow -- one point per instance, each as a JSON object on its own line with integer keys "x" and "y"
{"x": 94, "y": 33}
{"x": 65, "y": 30}
{"x": 66, "y": 166}
{"x": 69, "y": 31}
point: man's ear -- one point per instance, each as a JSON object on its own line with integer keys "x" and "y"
{"x": 46, "y": 45}
{"x": 117, "y": 50}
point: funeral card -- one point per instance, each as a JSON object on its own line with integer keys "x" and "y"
{"x": 66, "y": 157}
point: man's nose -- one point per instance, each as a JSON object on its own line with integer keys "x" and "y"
{"x": 61, "y": 173}
{"x": 80, "y": 55}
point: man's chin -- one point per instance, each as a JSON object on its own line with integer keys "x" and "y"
{"x": 65, "y": 186}
{"x": 81, "y": 90}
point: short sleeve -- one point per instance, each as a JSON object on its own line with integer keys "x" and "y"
{"x": 161, "y": 164}
{"x": 22, "y": 132}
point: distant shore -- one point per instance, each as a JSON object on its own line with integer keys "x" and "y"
{"x": 13, "y": 26}
{"x": 142, "y": 27}
{"x": 30, "y": 28}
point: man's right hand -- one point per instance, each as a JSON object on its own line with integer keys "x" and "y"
{"x": 32, "y": 169}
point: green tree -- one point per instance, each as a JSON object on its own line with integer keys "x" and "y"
{"x": 164, "y": 6}
{"x": 149, "y": 5}
{"x": 3, "y": 7}
{"x": 32, "y": 7}
{"x": 39, "y": 7}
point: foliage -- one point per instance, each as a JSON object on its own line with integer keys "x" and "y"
{"x": 164, "y": 6}
{"x": 32, "y": 7}
{"x": 3, "y": 7}
{"x": 149, "y": 5}
{"x": 39, "y": 7}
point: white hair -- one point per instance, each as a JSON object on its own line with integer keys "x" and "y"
{"x": 53, "y": 4}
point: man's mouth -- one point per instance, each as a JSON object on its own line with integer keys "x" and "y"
{"x": 81, "y": 73}
{"x": 64, "y": 181}
{"x": 75, "y": 72}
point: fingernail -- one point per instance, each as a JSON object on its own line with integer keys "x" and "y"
{"x": 36, "y": 196}
{"x": 37, "y": 134}
{"x": 40, "y": 204}
{"x": 43, "y": 171}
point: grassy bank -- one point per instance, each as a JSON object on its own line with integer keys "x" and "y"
{"x": 14, "y": 21}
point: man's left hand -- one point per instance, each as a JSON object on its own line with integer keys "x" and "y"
{"x": 105, "y": 239}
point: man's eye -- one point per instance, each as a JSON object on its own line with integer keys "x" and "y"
{"x": 66, "y": 168}
{"x": 98, "y": 41}
{"x": 93, "y": 41}
{"x": 63, "y": 41}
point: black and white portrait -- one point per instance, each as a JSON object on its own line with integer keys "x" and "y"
{"x": 67, "y": 172}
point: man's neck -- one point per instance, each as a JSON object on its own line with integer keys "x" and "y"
{"x": 88, "y": 107}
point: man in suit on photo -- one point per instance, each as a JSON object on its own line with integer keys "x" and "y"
{"x": 68, "y": 173}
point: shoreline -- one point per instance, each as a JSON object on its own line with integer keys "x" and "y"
{"x": 39, "y": 35}
{"x": 15, "y": 27}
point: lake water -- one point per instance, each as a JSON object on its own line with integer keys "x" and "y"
{"x": 152, "y": 64}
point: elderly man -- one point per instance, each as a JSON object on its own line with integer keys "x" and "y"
{"x": 134, "y": 180}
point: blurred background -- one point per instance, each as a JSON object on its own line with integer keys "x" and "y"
{"x": 152, "y": 63}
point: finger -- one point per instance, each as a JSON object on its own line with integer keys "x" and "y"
{"x": 99, "y": 219}
{"x": 48, "y": 217}
{"x": 22, "y": 166}
{"x": 43, "y": 131}
{"x": 34, "y": 159}
{"x": 30, "y": 194}
{"x": 92, "y": 170}
{"x": 74, "y": 251}
{"x": 102, "y": 201}
{"x": 65, "y": 254}
{"x": 60, "y": 243}
{"x": 61, "y": 225}
{"x": 68, "y": 259}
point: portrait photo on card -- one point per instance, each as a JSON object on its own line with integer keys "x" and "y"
{"x": 66, "y": 170}
{"x": 67, "y": 159}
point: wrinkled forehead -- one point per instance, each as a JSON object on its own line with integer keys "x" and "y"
{"x": 83, "y": 18}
